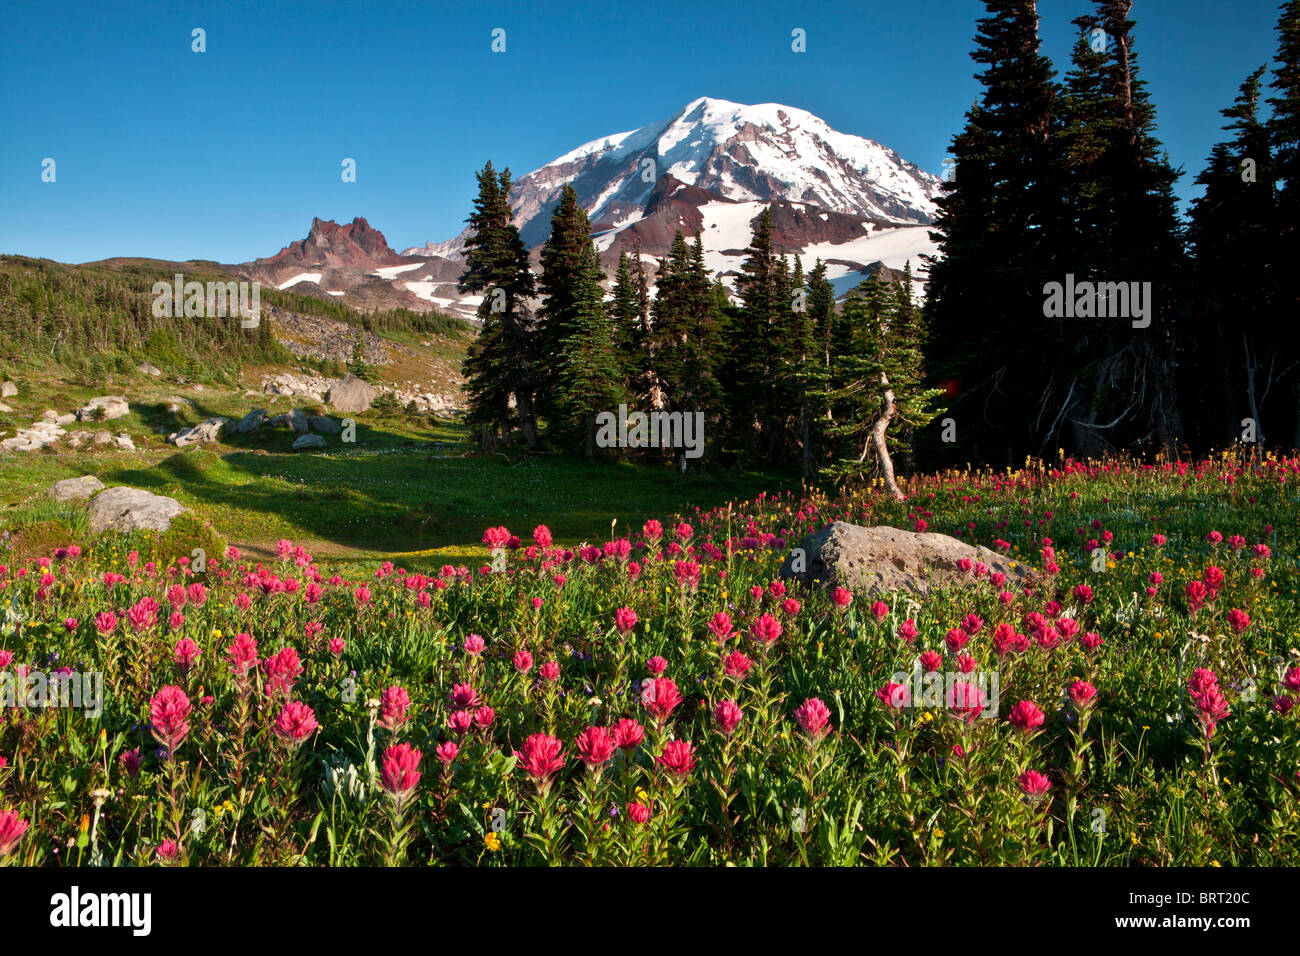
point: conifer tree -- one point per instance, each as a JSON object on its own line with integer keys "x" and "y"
{"x": 1233, "y": 232}
{"x": 563, "y": 264}
{"x": 589, "y": 377}
{"x": 999, "y": 232}
{"x": 501, "y": 362}
{"x": 1284, "y": 131}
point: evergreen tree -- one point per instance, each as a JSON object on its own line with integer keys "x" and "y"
{"x": 589, "y": 379}
{"x": 999, "y": 229}
{"x": 1115, "y": 383}
{"x": 878, "y": 379}
{"x": 501, "y": 363}
{"x": 1284, "y": 131}
{"x": 762, "y": 289}
{"x": 563, "y": 267}
{"x": 1233, "y": 232}
{"x": 624, "y": 310}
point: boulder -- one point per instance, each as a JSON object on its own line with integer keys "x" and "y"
{"x": 205, "y": 431}
{"x": 35, "y": 438}
{"x": 114, "y": 406}
{"x": 308, "y": 441}
{"x": 251, "y": 422}
{"x": 324, "y": 424}
{"x": 101, "y": 438}
{"x": 124, "y": 442}
{"x": 75, "y": 489}
{"x": 8, "y": 389}
{"x": 351, "y": 394}
{"x": 295, "y": 421}
{"x": 149, "y": 369}
{"x": 132, "y": 509}
{"x": 79, "y": 437}
{"x": 875, "y": 560}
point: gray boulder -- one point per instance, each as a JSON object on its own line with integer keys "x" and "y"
{"x": 202, "y": 433}
{"x": 103, "y": 408}
{"x": 324, "y": 424}
{"x": 132, "y": 509}
{"x": 8, "y": 389}
{"x": 75, "y": 489}
{"x": 872, "y": 561}
{"x": 124, "y": 442}
{"x": 351, "y": 394}
{"x": 251, "y": 422}
{"x": 150, "y": 369}
{"x": 114, "y": 406}
{"x": 308, "y": 441}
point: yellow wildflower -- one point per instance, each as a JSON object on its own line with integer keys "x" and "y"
{"x": 492, "y": 841}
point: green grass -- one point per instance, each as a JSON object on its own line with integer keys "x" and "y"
{"x": 402, "y": 488}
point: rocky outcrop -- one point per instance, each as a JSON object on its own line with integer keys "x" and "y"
{"x": 880, "y": 559}
{"x": 35, "y": 438}
{"x": 132, "y": 509}
{"x": 75, "y": 489}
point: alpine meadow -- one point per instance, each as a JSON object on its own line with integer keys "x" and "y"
{"x": 729, "y": 491}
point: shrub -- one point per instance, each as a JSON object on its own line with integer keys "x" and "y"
{"x": 187, "y": 532}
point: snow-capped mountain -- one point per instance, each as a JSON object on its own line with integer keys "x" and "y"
{"x": 710, "y": 170}
{"x": 759, "y": 153}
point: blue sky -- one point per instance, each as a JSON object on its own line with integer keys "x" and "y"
{"x": 229, "y": 154}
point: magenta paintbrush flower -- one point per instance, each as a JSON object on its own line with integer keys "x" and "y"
{"x": 678, "y": 758}
{"x": 295, "y": 724}
{"x": 394, "y": 703}
{"x": 814, "y": 718}
{"x": 400, "y": 773}
{"x": 595, "y": 747}
{"x": 169, "y": 713}
{"x": 628, "y": 734}
{"x": 1026, "y": 717}
{"x": 541, "y": 758}
{"x": 727, "y": 715}
{"x": 12, "y": 828}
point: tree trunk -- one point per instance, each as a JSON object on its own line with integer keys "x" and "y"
{"x": 888, "y": 409}
{"x": 527, "y": 419}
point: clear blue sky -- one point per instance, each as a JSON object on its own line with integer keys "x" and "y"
{"x": 228, "y": 154}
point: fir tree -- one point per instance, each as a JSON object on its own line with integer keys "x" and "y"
{"x": 1233, "y": 233}
{"x": 501, "y": 363}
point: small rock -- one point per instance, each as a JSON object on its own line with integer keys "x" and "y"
{"x": 308, "y": 441}
{"x": 251, "y": 422}
{"x": 75, "y": 489}
{"x": 324, "y": 424}
{"x": 124, "y": 442}
{"x": 132, "y": 509}
{"x": 36, "y": 437}
{"x": 205, "y": 431}
{"x": 8, "y": 389}
{"x": 149, "y": 369}
{"x": 102, "y": 438}
{"x": 114, "y": 406}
